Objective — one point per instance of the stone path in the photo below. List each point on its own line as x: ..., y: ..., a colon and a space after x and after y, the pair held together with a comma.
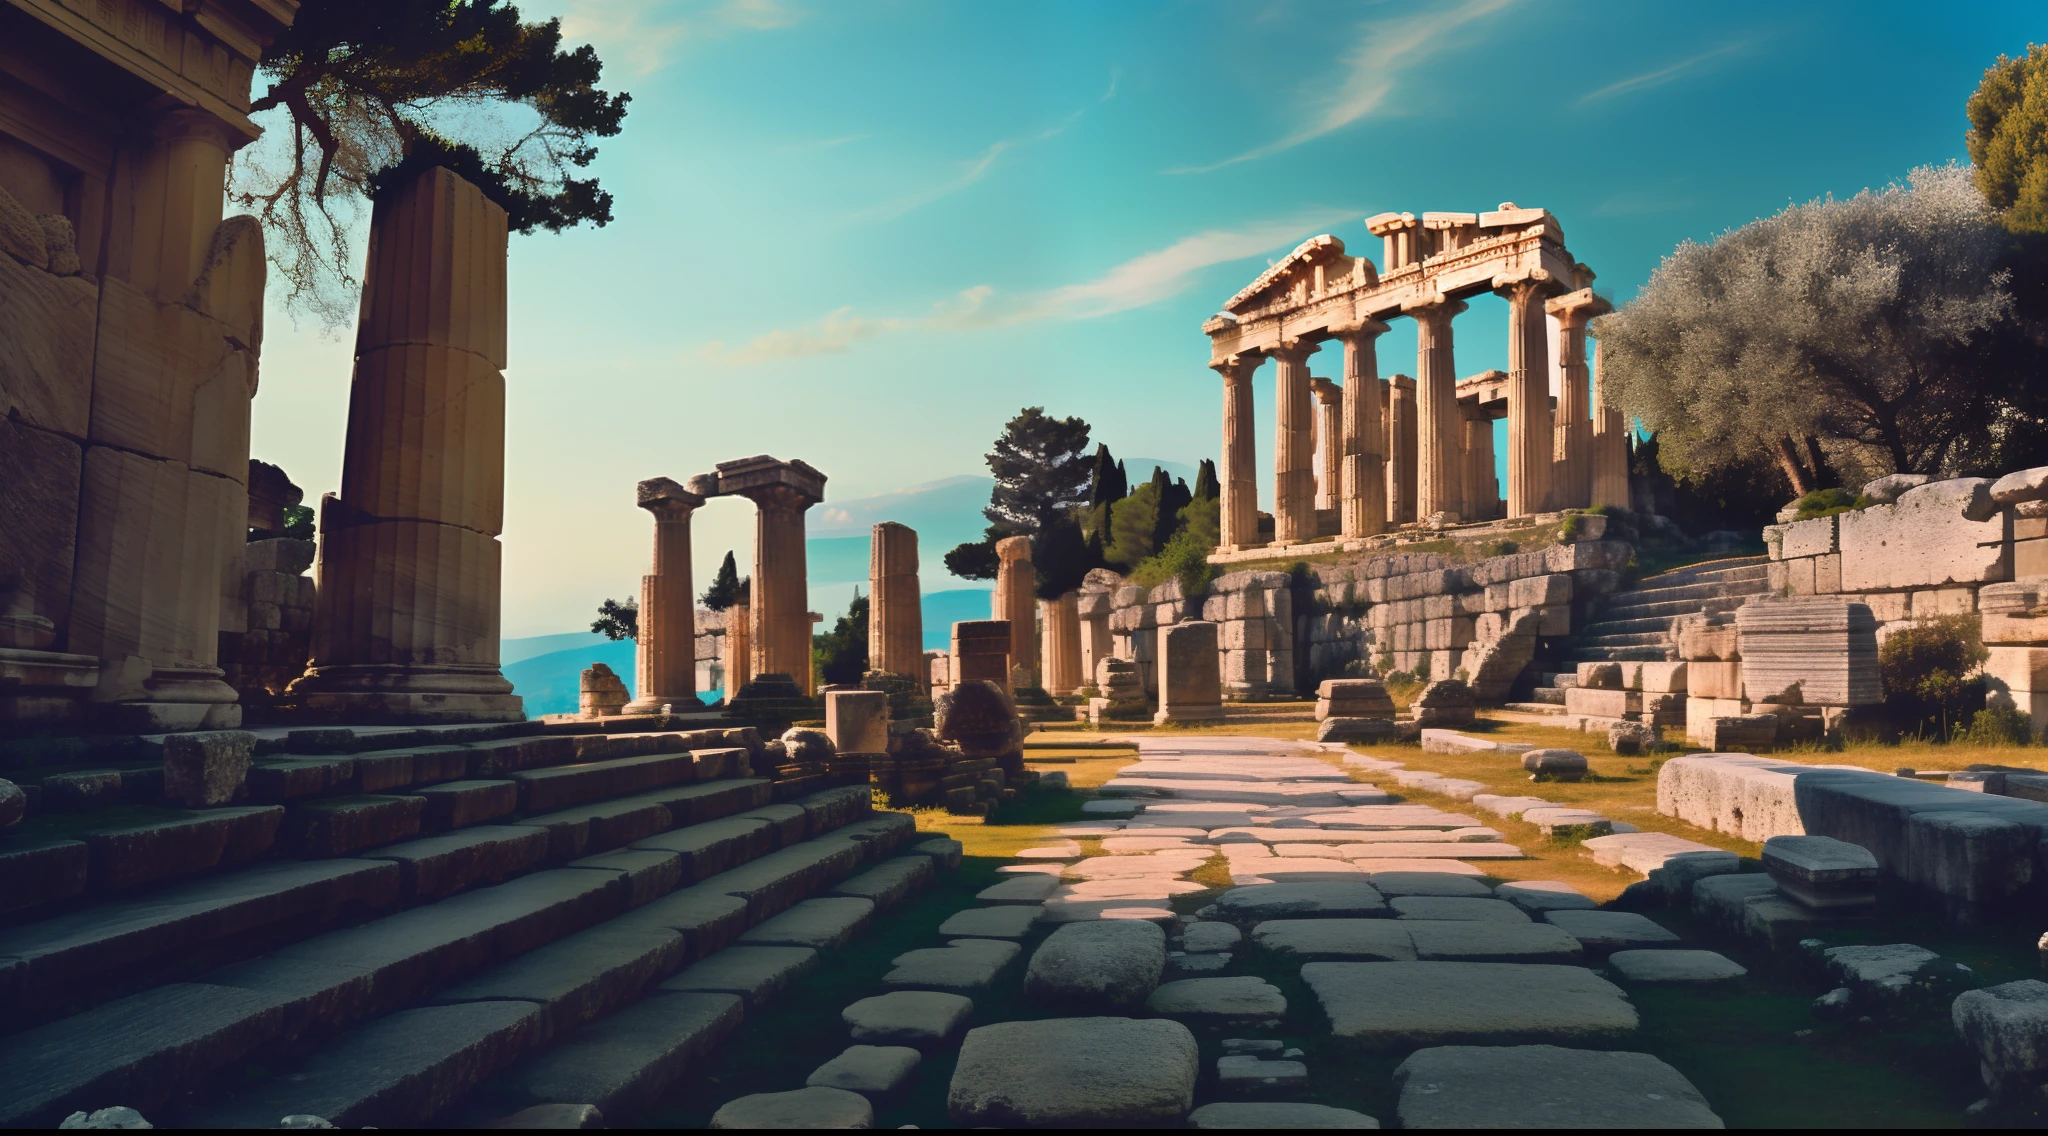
x: 1500, y: 995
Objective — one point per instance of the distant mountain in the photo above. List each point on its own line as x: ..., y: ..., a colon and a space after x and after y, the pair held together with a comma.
x: 1140, y: 469
x: 943, y: 609
x: 551, y: 683
x: 516, y: 650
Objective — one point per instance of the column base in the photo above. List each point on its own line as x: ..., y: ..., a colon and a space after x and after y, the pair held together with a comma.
x: 1188, y: 714
x: 376, y: 694
x: 677, y: 703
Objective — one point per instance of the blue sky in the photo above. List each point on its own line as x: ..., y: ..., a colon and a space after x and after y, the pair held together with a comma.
x: 864, y: 234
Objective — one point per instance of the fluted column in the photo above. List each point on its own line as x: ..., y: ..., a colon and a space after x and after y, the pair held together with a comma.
x: 1609, y: 448
x: 1362, y: 497
x: 666, y: 651
x: 1329, y: 441
x: 1061, y: 660
x: 739, y: 648
x: 406, y: 627
x: 895, y: 615
x: 1572, y: 469
x: 1530, y: 441
x: 1294, y: 479
x: 1240, y: 509
x: 1401, y: 445
x: 1440, y: 433
x: 1482, y: 485
x: 1013, y: 600
x: 782, y: 621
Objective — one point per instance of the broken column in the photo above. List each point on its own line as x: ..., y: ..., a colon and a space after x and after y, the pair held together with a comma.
x: 1294, y: 479
x: 600, y: 694
x: 1608, y: 452
x: 666, y: 648
x: 1062, y: 650
x: 1572, y: 458
x: 1239, y: 516
x: 1440, y: 432
x: 1012, y: 601
x: 1362, y: 475
x: 1329, y: 441
x: 1092, y: 606
x: 407, y: 624
x: 1190, y: 675
x: 895, y: 612
x: 1402, y: 433
x: 1530, y: 440
x: 981, y: 652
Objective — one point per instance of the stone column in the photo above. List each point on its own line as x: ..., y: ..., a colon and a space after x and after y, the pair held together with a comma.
x: 1572, y: 467
x: 1530, y: 443
x: 666, y: 652
x: 1013, y: 601
x: 781, y: 615
x: 1061, y: 661
x: 1482, y: 484
x: 1240, y: 508
x: 1329, y: 442
x: 1362, y: 494
x: 1294, y: 479
x: 1440, y: 433
x: 1401, y: 445
x: 407, y: 623
x: 739, y: 648
x: 895, y: 613
x: 1093, y: 608
x: 1609, y: 448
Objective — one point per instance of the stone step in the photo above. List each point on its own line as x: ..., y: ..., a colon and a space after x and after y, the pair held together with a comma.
x: 1587, y: 654
x: 1649, y: 625
x: 129, y: 856
x: 1554, y: 695
x: 561, y: 786
x: 1632, y: 639
x: 1550, y: 708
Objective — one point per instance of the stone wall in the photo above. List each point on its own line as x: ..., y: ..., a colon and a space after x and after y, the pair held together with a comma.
x: 711, y: 651
x: 275, y: 603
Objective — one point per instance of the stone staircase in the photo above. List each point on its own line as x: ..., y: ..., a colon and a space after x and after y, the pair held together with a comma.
x: 378, y: 932
x: 1635, y: 625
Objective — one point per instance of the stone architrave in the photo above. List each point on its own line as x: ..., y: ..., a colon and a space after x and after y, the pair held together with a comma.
x: 1572, y: 464
x: 1530, y: 439
x: 981, y: 652
x: 780, y: 635
x: 1608, y: 453
x: 1239, y: 519
x: 406, y: 628
x: 1440, y: 431
x: 666, y: 651
x: 1294, y: 445
x: 1329, y: 441
x: 1402, y: 431
x: 1362, y: 475
x: 1062, y: 647
x: 1013, y: 602
x: 1190, y: 673
x: 895, y: 615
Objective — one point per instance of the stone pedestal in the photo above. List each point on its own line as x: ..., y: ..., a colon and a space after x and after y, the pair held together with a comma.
x: 1093, y: 608
x: 1013, y: 602
x: 1609, y: 451
x: 1402, y: 439
x: 780, y: 635
x: 1062, y: 653
x: 1572, y: 465
x: 895, y: 614
x: 1294, y: 479
x: 1190, y: 674
x: 981, y: 652
x: 1440, y: 431
x: 1239, y: 517
x: 1362, y: 476
x: 857, y: 721
x: 1530, y: 441
x: 1329, y: 442
x: 667, y: 647
x: 407, y: 624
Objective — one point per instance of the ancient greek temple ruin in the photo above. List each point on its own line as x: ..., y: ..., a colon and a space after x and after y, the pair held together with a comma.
x: 1358, y: 455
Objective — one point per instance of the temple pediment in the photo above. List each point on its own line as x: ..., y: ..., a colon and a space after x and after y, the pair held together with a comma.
x: 1310, y: 270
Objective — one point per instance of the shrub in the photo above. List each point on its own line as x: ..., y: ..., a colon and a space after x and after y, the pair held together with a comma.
x: 1929, y: 672
x: 1828, y: 502
x: 1997, y: 726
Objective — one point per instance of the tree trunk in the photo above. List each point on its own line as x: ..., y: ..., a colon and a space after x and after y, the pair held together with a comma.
x: 1788, y: 460
x: 1823, y: 472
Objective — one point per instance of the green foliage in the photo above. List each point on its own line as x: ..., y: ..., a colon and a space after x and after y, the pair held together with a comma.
x: 617, y: 620
x: 1061, y: 557
x: 725, y: 587
x: 976, y: 559
x: 841, y: 654
x: 1206, y: 485
x: 2008, y: 139
x: 376, y: 90
x: 1186, y: 555
x: 1042, y: 470
x: 1997, y: 726
x: 1132, y: 523
x: 1570, y: 526
x: 1928, y: 668
x: 1498, y: 548
x: 298, y: 522
x: 1173, y: 497
x: 1828, y: 502
x: 1106, y: 481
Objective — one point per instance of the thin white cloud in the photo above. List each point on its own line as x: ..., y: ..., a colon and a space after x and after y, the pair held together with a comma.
x: 1141, y: 281
x: 645, y: 36
x: 1660, y: 76
x: 971, y: 171
x: 1383, y: 50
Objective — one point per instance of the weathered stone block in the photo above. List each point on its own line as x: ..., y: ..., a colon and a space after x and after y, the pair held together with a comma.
x: 1807, y: 538
x: 1713, y: 680
x: 1602, y: 703
x: 1817, y: 652
x: 206, y: 768
x: 1940, y: 533
x: 1664, y: 678
x: 1540, y: 591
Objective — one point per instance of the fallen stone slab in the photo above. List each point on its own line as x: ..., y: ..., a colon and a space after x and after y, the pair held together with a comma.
x: 623, y: 1062
x: 1099, y: 964
x: 1433, y: 880
x: 1603, y: 931
x: 1419, y: 850
x: 2006, y: 1026
x: 1151, y: 864
x: 1674, y: 966
x: 1568, y: 823
x: 1538, y: 896
x: 1822, y: 872
x: 1135, y: 887
x: 1373, y: 939
x: 1671, y: 863
x: 1206, y: 936
x: 1008, y: 921
x: 756, y: 974
x: 1283, y: 900
x: 1389, y: 816
x: 1064, y: 850
x: 961, y: 965
x: 1388, y: 1004
x: 870, y: 1070
x: 1723, y: 900
x: 1456, y: 908
x: 1079, y: 910
x: 1508, y: 806
x: 1545, y: 1086
x: 890, y: 882
x: 1249, y: 1074
x: 1112, y: 808
x: 1473, y: 940
x: 1243, y: 998
x: 813, y: 1107
x: 824, y: 924
x: 1075, y: 1073
x: 1032, y: 888
x: 1277, y: 1115
x: 1182, y: 964
x: 908, y: 1017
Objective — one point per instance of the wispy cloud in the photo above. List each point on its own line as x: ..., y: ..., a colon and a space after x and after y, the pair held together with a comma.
x: 1141, y: 281
x: 825, y: 143
x: 647, y: 35
x: 1660, y: 76
x: 1383, y: 50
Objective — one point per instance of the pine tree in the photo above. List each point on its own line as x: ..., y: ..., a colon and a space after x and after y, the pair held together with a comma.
x: 1062, y: 557
x: 841, y: 654
x: 617, y: 620
x: 725, y: 587
x: 1042, y: 471
x: 1207, y: 488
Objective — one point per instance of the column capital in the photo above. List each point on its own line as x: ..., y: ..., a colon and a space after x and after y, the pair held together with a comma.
x: 1367, y: 328
x: 667, y: 500
x: 1527, y: 285
x: 1574, y: 309
x: 1294, y: 351
x: 1237, y: 366
x: 778, y: 498
x: 1437, y: 308
x: 1328, y: 392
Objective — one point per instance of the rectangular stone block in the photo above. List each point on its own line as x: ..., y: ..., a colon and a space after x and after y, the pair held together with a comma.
x: 1817, y: 652
x: 2030, y: 557
x: 1540, y: 591
x: 1664, y: 678
x: 857, y: 721
x: 1447, y: 634
x: 1798, y: 577
x: 1602, y: 703
x: 1807, y: 538
x: 1699, y: 640
x: 1929, y: 603
x: 2018, y: 668
x: 1827, y: 574
x: 1926, y: 539
x: 1714, y: 679
x: 1190, y: 680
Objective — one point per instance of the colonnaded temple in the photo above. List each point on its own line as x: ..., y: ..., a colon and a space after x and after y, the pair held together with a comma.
x: 1418, y: 449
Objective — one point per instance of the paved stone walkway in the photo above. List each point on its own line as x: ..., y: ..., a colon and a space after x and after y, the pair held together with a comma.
x: 1504, y: 998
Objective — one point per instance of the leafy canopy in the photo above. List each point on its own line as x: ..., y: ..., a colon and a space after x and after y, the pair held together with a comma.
x: 841, y: 654
x: 1043, y: 472
x: 374, y: 90
x: 726, y: 588
x: 2008, y: 138
x: 617, y: 620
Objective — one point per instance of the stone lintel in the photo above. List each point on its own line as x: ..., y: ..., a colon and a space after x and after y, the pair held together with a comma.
x: 1380, y: 224
x: 1448, y: 220
x: 751, y: 475
x: 1577, y: 307
x: 656, y: 492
